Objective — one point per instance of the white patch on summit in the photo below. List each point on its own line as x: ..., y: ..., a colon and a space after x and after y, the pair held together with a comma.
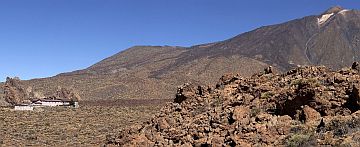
x: 324, y: 18
x: 330, y: 13
x: 343, y: 11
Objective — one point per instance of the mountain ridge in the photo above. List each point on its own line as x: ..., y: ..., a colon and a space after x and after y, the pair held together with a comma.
x: 152, y: 72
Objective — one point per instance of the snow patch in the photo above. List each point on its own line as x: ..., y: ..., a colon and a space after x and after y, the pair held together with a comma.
x: 324, y: 18
x: 343, y: 11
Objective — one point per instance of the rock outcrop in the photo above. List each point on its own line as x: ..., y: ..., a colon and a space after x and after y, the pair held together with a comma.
x: 64, y: 93
x: 306, y: 106
x: 15, y: 93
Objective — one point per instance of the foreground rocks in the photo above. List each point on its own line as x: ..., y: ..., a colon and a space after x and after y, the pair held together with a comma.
x: 307, y: 106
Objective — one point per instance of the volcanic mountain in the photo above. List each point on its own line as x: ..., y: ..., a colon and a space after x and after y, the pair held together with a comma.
x: 151, y: 72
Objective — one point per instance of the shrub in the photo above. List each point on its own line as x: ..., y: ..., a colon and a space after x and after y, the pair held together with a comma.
x: 300, y: 140
x: 266, y: 95
x: 254, y: 112
x: 217, y: 101
x: 296, y: 82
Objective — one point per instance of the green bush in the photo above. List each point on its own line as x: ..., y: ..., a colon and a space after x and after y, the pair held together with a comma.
x: 254, y: 112
x: 266, y: 95
x: 311, y: 81
x: 300, y: 140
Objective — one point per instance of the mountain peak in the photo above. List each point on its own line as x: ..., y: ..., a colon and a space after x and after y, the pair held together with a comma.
x: 324, y: 17
x: 334, y: 9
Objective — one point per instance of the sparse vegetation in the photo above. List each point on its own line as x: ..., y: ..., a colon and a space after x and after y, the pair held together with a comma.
x: 296, y: 82
x: 217, y: 101
x: 255, y: 111
x: 86, y: 126
x: 266, y: 95
x: 311, y: 81
x: 300, y: 140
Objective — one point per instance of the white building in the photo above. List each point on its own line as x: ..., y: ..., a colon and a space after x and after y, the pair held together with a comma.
x: 76, y: 104
x: 51, y: 103
x: 47, y: 103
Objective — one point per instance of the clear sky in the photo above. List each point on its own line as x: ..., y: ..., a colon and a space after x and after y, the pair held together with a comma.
x: 41, y: 38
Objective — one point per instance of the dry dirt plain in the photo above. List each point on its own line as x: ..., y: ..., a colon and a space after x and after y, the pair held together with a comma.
x: 85, y: 126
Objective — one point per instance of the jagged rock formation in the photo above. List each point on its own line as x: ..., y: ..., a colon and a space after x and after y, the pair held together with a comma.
x: 14, y: 93
x: 64, y: 93
x: 306, y: 106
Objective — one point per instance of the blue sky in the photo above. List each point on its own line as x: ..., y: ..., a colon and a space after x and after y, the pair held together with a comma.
x: 42, y: 38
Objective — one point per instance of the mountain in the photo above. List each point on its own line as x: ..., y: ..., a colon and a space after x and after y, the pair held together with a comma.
x: 330, y: 39
x: 151, y: 72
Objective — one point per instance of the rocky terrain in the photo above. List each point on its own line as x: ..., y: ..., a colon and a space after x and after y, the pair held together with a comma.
x: 306, y: 106
x: 330, y: 38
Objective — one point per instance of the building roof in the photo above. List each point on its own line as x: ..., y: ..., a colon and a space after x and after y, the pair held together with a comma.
x: 22, y: 105
x: 51, y: 100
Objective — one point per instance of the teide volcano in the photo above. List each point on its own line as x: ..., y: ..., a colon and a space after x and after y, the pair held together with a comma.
x: 147, y: 72
x: 330, y: 39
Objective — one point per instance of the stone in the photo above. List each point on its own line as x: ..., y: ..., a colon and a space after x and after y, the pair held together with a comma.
x: 242, y: 115
x: 311, y: 115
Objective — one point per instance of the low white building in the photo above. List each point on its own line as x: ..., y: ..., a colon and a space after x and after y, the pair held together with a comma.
x: 47, y: 103
x: 51, y: 103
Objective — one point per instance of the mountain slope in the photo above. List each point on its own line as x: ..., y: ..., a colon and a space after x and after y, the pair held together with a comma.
x: 128, y: 75
x: 311, y: 40
x: 145, y: 72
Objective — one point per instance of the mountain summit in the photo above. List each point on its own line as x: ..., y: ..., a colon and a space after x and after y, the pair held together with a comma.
x: 145, y: 72
x: 334, y: 9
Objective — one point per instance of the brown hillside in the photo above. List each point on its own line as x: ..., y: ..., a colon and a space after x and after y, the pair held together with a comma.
x: 129, y: 74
